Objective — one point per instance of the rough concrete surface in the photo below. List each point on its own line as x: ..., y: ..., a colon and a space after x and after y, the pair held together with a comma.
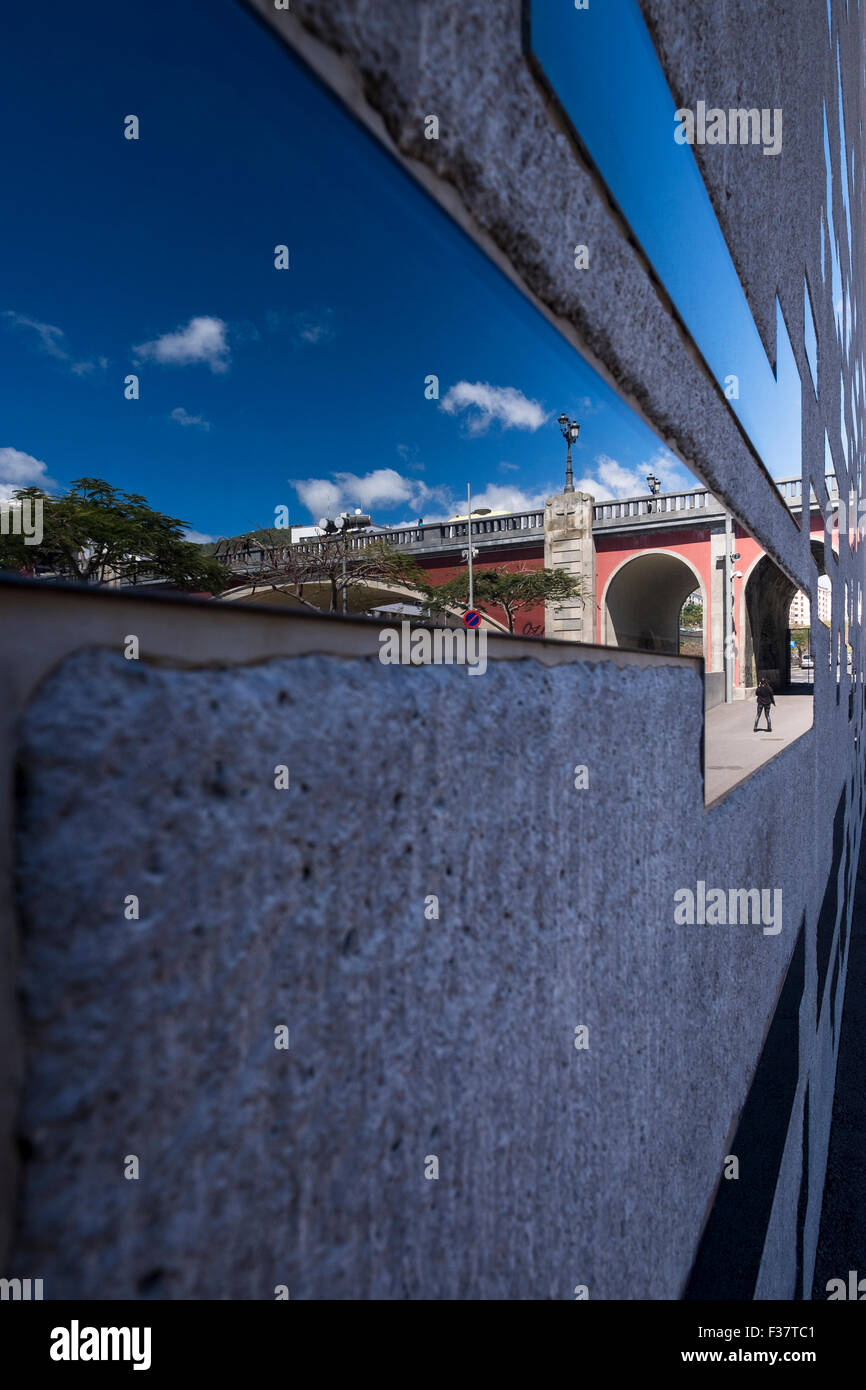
x: 392, y: 63
x: 454, y: 1037
x: 842, y: 1243
x: 409, y: 1037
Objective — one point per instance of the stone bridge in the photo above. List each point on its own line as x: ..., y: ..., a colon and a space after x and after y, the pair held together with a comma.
x: 639, y: 559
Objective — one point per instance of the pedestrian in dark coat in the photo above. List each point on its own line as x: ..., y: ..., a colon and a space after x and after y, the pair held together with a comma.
x: 764, y: 696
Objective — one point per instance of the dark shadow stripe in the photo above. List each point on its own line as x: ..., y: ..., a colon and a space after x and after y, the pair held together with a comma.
x: 729, y: 1255
x: 842, y: 1236
x: 834, y: 983
x: 803, y: 1199
x: 830, y: 905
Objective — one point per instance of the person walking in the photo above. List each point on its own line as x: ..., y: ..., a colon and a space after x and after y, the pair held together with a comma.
x: 764, y: 696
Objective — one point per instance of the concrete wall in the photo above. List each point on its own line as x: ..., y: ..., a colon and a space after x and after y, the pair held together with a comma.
x: 714, y: 689
x: 410, y: 1036
x: 508, y: 169
x: 154, y: 1037
x: 452, y: 1038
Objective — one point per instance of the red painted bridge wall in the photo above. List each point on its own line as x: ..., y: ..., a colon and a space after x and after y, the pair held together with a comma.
x: 612, y: 551
x: 529, y: 621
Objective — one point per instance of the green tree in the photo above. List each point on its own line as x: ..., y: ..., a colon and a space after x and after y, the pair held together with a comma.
x: 508, y: 590
x: 97, y: 534
x: 341, y: 561
x: 692, y: 615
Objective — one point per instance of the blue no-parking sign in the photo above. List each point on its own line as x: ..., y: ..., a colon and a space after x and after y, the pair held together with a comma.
x: 472, y: 618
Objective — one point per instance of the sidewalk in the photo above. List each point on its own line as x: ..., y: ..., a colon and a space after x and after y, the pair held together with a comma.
x: 733, y: 750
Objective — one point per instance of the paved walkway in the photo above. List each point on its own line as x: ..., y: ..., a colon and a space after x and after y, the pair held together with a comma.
x: 733, y: 750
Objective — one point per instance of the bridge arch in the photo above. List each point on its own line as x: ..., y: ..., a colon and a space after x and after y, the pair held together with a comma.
x: 766, y: 596
x: 642, y: 600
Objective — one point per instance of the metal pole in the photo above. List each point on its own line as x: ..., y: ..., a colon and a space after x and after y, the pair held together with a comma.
x: 569, y: 477
x: 345, y: 592
x: 469, y: 551
x: 729, y: 613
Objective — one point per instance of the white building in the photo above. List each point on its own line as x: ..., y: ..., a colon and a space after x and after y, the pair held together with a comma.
x: 825, y: 599
x: 800, y: 613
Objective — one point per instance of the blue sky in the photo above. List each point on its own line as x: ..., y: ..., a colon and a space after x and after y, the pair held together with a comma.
x: 259, y: 387
x: 602, y: 65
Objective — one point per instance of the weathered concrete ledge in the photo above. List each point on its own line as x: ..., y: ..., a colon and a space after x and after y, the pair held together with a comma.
x: 411, y: 1035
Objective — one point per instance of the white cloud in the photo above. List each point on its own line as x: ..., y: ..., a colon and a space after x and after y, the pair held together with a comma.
x: 668, y: 468
x: 49, y: 338
x: 504, y: 404
x: 48, y: 334
x: 85, y: 368
x: 307, y: 326
x: 382, y: 489
x: 508, y: 467
x: 203, y: 339
x: 184, y: 418
x: 499, y: 497
x: 612, y: 479
x: 18, y: 469
x: 198, y: 537
x: 315, y: 328
x: 320, y: 497
x: 385, y: 488
x: 409, y: 453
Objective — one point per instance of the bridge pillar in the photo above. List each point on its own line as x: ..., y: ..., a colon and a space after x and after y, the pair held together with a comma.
x: 568, y: 545
x: 714, y: 618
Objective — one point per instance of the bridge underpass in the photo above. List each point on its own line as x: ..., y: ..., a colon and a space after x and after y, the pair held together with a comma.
x: 768, y: 596
x: 643, y: 601
x: 640, y: 608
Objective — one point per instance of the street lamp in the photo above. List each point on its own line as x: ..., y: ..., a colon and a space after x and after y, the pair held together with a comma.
x: 570, y: 431
x: 469, y: 550
x: 342, y: 526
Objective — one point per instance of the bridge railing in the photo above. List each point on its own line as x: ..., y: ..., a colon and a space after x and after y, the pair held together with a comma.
x: 694, y: 499
x: 489, y: 526
x: 444, y: 534
x: 425, y: 536
x: 447, y: 532
x: 791, y: 489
